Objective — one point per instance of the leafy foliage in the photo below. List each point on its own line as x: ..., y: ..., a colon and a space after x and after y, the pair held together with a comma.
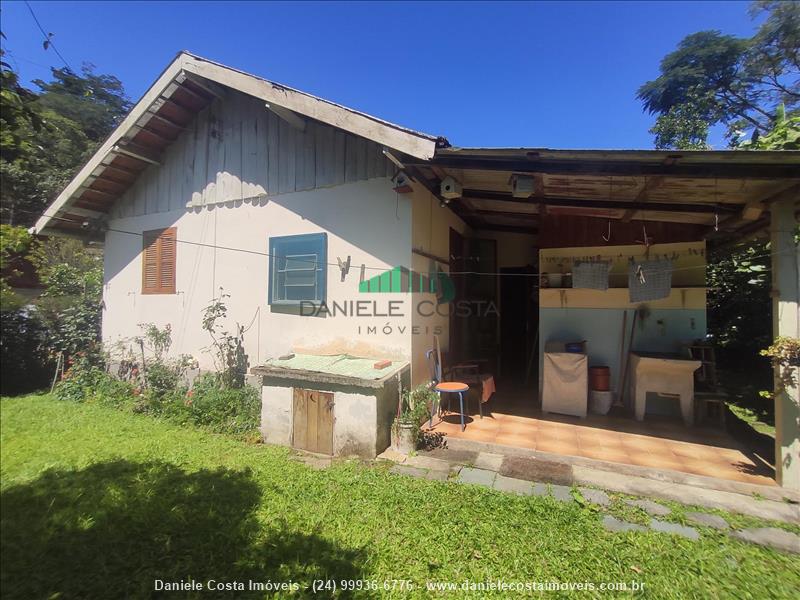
x: 15, y: 243
x: 716, y: 78
x: 234, y: 412
x: 24, y: 356
x: 95, y: 102
x: 227, y: 349
x: 739, y: 317
x: 683, y: 126
x: 785, y: 135
x: 45, y: 136
x: 784, y: 353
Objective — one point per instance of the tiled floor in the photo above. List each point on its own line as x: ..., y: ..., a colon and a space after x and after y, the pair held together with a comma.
x: 512, y: 418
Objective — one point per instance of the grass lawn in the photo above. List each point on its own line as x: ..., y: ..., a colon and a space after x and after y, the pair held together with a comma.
x: 98, y: 503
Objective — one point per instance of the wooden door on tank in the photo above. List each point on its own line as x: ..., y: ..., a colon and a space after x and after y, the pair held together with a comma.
x: 312, y: 421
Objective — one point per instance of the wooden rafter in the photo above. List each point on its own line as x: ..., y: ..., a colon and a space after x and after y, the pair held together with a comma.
x: 619, y: 204
x: 642, y: 196
x: 619, y: 168
x: 138, y: 152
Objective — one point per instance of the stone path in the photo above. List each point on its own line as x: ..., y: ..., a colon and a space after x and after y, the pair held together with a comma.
x: 487, y: 470
x: 651, y: 508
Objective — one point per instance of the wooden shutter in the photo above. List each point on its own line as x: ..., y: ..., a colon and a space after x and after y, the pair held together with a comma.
x: 159, y: 250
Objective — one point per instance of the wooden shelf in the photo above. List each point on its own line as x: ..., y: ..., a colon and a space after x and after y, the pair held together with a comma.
x: 693, y: 297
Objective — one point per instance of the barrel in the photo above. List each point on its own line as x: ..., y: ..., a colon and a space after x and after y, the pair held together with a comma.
x: 600, y: 379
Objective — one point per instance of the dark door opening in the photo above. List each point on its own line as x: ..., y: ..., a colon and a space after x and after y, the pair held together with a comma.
x: 519, y: 320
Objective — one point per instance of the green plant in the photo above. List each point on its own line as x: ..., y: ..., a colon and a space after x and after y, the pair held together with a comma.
x: 86, y: 380
x: 235, y: 411
x: 163, y: 375
x: 784, y: 353
x: 227, y: 349
x: 413, y: 408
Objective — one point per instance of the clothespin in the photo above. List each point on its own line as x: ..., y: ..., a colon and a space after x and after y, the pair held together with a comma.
x: 639, y: 274
x: 361, y: 277
x: 344, y: 267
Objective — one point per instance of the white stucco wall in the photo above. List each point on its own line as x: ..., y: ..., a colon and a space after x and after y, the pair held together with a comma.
x: 225, y: 245
x: 431, y: 224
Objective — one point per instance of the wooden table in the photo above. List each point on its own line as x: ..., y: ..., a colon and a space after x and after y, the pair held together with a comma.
x: 667, y: 374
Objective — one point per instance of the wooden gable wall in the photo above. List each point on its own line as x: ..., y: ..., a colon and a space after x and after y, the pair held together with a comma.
x: 237, y: 149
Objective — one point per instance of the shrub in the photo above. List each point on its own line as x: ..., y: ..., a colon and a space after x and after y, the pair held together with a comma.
x: 25, y: 364
x: 163, y: 375
x: 86, y: 380
x: 227, y: 349
x: 212, y: 403
x: 224, y: 410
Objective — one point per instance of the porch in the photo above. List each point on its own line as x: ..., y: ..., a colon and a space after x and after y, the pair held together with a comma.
x: 533, y: 220
x: 513, y: 418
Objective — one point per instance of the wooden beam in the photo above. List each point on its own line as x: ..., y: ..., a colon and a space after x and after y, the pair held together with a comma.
x: 586, y: 203
x: 751, y: 213
x: 196, y: 95
x: 167, y: 141
x: 134, y: 173
x: 137, y: 152
x: 167, y: 121
x: 649, y: 185
x: 505, y: 229
x: 84, y: 212
x: 86, y: 188
x: 785, y: 294
x: 421, y: 252
x: 619, y: 167
x: 207, y: 86
x: 752, y: 210
x: 644, y: 192
x: 187, y: 113
x: 287, y: 115
x: 505, y: 213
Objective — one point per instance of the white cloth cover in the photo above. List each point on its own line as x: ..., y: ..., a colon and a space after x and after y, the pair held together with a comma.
x: 566, y: 383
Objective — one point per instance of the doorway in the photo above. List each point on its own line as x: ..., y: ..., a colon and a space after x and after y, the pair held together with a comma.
x: 519, y: 320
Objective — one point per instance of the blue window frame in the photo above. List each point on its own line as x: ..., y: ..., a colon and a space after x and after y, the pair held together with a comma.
x: 298, y: 268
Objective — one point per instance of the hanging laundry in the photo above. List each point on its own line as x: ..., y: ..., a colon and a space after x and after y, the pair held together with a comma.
x: 649, y: 280
x: 591, y: 274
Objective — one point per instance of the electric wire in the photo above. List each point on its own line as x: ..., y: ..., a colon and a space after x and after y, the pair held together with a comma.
x: 48, y: 38
x: 336, y: 265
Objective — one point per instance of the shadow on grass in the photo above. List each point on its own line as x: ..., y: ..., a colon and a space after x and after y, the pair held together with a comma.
x: 112, y: 529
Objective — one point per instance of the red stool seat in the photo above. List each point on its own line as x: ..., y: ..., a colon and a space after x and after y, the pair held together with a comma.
x: 451, y: 386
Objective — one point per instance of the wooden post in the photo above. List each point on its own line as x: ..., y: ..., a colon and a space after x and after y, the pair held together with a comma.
x: 786, y: 323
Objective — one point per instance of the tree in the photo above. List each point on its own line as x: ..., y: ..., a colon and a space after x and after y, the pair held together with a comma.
x: 47, y: 136
x: 683, y: 126
x: 97, y: 103
x: 44, y: 138
x: 714, y: 78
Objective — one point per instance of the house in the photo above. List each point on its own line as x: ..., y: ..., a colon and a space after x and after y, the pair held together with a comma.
x: 337, y: 234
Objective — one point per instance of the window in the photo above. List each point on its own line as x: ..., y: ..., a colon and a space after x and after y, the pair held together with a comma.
x: 158, y: 261
x: 298, y: 268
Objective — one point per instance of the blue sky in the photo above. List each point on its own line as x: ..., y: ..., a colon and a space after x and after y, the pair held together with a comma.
x: 548, y: 74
